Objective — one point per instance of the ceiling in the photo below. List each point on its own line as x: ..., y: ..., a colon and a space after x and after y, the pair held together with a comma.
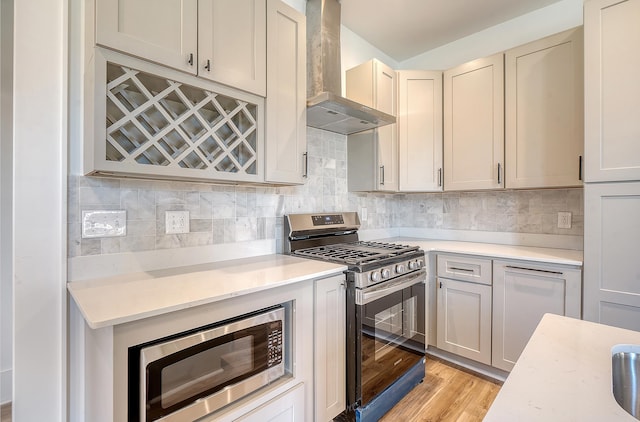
x: 406, y: 28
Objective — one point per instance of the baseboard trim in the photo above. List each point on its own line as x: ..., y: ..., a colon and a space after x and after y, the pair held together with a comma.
x: 477, y: 368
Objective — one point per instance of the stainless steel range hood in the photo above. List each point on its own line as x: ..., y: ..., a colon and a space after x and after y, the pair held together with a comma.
x: 326, y: 108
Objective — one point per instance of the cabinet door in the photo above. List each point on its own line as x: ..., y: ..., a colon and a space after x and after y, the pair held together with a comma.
x: 474, y: 125
x: 374, y: 84
x: 330, y: 348
x: 612, y: 91
x: 145, y: 120
x: 464, y: 319
x: 286, y: 107
x: 232, y: 43
x: 522, y: 293
x: 611, y: 245
x: 420, y: 130
x: 544, y: 111
x: 163, y: 32
x: 385, y: 100
x: 287, y: 407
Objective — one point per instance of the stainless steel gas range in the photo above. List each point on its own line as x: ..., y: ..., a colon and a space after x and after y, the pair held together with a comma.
x: 385, y: 307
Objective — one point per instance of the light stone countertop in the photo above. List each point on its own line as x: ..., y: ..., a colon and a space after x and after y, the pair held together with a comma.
x: 528, y: 253
x: 116, y: 300
x: 563, y: 374
x: 119, y: 299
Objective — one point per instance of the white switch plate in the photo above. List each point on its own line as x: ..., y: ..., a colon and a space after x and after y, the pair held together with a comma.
x: 564, y: 220
x: 176, y: 222
x: 104, y: 223
x: 364, y: 215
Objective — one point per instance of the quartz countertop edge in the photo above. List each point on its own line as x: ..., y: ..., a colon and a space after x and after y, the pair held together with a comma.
x: 130, y: 297
x: 496, y: 251
x: 564, y: 374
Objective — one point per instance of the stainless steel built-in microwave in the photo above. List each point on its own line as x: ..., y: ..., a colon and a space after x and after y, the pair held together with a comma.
x: 193, y: 374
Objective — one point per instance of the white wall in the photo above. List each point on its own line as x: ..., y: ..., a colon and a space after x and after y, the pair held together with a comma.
x: 6, y: 180
x: 538, y: 24
x: 39, y: 205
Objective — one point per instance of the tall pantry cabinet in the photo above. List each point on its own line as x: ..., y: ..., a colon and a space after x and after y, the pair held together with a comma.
x: 612, y: 153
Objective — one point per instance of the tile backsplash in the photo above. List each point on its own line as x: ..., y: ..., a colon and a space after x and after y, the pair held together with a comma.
x: 228, y: 214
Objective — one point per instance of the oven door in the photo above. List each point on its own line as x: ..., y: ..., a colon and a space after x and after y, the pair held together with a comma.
x: 390, y: 319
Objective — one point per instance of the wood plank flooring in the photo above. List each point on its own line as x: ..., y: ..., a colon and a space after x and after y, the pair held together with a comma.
x: 448, y: 393
x: 5, y: 413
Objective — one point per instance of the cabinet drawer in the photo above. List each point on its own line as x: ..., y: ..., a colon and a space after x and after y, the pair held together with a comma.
x: 464, y: 268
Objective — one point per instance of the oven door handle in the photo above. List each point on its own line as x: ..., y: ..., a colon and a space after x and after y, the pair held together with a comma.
x: 381, y: 290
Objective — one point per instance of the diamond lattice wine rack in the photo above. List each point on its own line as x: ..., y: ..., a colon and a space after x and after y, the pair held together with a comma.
x: 162, y: 123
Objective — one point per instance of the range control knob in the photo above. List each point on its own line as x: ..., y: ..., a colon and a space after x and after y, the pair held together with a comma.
x: 420, y: 263
x: 399, y: 268
x: 375, y: 276
x: 413, y: 265
x: 386, y: 273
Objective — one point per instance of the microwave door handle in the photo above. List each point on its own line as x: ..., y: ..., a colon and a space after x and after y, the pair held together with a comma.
x: 375, y: 293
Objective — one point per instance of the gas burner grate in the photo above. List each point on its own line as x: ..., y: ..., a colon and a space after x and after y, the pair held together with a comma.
x: 356, y: 253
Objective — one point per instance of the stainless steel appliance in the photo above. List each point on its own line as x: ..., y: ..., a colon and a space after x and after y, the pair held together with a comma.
x: 192, y: 374
x: 385, y: 307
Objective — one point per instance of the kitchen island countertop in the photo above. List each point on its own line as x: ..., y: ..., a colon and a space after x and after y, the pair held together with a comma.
x: 120, y: 299
x: 563, y: 374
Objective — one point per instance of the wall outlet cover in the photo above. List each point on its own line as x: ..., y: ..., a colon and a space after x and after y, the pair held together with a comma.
x: 564, y: 220
x: 104, y: 223
x: 176, y: 222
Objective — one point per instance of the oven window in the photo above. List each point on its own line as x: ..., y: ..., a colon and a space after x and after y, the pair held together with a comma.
x: 195, y: 374
x: 392, y: 339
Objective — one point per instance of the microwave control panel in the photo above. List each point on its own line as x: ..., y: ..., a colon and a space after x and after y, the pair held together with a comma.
x: 274, y: 344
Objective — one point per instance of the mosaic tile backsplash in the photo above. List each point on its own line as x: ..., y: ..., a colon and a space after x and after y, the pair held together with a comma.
x: 228, y: 214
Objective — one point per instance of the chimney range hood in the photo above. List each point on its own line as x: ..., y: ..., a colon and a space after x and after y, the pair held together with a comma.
x: 326, y: 108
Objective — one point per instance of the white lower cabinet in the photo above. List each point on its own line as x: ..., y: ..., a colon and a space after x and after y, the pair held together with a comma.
x: 287, y: 407
x: 330, y: 348
x: 464, y: 319
x: 489, y: 308
x: 522, y: 293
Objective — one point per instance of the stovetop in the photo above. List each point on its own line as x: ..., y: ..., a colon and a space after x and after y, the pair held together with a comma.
x: 357, y: 253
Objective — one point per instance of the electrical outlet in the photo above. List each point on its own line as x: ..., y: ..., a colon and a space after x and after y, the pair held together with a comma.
x: 364, y: 215
x: 176, y: 222
x: 564, y: 220
x: 104, y: 223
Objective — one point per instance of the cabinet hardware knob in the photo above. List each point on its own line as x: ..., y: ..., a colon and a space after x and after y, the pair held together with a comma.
x: 190, y: 61
x: 382, y: 175
x: 499, y: 173
x: 208, y: 65
x: 440, y: 177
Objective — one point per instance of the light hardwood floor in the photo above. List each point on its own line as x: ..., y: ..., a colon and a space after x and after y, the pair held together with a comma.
x: 447, y: 393
x: 5, y: 413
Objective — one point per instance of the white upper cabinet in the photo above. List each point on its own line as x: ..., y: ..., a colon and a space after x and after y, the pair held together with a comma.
x: 286, y: 106
x: 164, y: 32
x: 147, y: 120
x: 420, y: 130
x: 474, y: 125
x: 373, y: 84
x: 232, y: 43
x: 544, y: 112
x: 222, y: 40
x: 612, y: 96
